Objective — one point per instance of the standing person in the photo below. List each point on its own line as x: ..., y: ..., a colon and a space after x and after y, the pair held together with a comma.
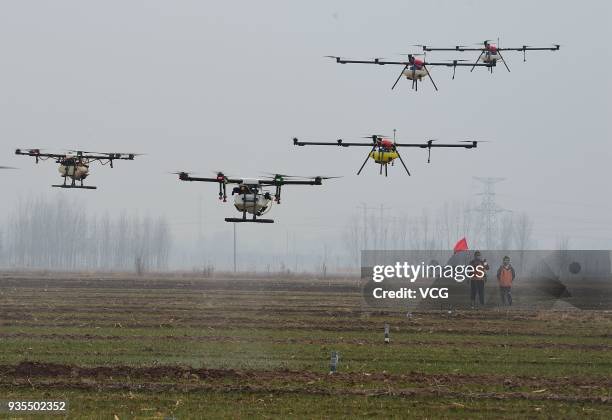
x: 477, y: 282
x: 505, y: 277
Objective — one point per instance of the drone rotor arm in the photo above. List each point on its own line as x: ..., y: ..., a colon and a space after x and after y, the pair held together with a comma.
x: 37, y: 154
x: 376, y: 61
x: 338, y: 142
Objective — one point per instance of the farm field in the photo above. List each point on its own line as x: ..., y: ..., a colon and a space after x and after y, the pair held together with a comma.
x: 172, y: 347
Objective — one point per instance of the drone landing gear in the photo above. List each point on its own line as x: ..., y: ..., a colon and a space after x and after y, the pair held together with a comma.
x: 73, y: 184
x: 243, y: 220
x: 384, y: 165
x: 84, y: 187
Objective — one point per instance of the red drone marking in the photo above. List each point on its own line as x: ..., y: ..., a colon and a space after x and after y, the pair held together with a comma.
x: 492, y: 48
x: 386, y: 143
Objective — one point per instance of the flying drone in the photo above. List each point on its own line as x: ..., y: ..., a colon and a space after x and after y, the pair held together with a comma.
x: 385, y: 151
x: 75, y: 164
x: 491, y: 53
x: 250, y: 193
x: 415, y: 68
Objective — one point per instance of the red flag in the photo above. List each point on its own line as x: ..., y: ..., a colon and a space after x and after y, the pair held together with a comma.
x: 461, y: 246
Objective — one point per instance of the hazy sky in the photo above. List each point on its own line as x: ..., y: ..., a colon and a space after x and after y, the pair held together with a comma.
x: 203, y: 86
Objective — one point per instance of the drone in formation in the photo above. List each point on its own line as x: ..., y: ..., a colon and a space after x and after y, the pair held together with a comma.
x: 492, y: 53
x: 416, y: 69
x: 254, y: 197
x: 251, y: 195
x: 75, y: 164
x: 385, y: 151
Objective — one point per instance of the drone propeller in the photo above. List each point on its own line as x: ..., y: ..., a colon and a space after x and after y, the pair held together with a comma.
x: 325, y: 177
x: 374, y: 137
x: 276, y: 175
x: 7, y: 167
x: 335, y: 57
x: 221, y: 176
x: 183, y: 175
x: 377, y: 59
x: 475, y: 142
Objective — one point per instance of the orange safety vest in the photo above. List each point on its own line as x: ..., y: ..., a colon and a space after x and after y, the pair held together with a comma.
x: 505, y: 277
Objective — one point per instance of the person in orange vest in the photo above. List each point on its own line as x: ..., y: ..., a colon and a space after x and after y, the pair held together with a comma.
x: 477, y: 282
x: 505, y: 277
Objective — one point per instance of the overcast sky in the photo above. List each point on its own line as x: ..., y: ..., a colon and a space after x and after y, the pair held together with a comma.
x: 204, y: 86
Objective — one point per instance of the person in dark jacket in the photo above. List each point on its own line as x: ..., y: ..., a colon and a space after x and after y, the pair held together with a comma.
x: 477, y: 282
x: 505, y: 277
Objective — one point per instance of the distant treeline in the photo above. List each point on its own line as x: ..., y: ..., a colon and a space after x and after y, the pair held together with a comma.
x: 42, y: 234
x: 436, y: 230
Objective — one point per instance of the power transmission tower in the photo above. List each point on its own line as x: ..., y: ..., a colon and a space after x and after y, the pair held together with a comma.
x: 365, y: 209
x: 383, y: 227
x: 488, y: 208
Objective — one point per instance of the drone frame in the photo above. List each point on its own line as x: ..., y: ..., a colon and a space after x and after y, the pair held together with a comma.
x: 277, y: 181
x: 79, y: 157
x: 412, y: 62
x: 377, y: 144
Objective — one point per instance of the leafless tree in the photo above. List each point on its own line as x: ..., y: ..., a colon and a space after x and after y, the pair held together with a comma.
x: 61, y: 235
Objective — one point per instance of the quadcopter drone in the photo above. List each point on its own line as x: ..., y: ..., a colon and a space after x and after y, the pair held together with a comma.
x: 384, y: 151
x: 491, y: 53
x: 75, y: 164
x: 250, y: 193
x: 415, y: 69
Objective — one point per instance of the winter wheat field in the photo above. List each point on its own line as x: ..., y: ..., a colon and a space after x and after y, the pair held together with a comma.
x: 121, y: 346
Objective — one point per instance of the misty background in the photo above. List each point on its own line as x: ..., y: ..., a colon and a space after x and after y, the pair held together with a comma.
x: 207, y: 86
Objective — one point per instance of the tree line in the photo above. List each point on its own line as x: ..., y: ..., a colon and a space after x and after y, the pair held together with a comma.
x: 435, y: 230
x: 60, y: 235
